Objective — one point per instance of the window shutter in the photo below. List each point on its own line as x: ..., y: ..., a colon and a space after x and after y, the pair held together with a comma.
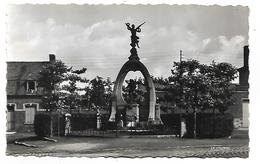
x: 32, y: 115
x: 29, y: 115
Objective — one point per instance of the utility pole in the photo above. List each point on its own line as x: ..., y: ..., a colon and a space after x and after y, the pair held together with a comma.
x: 181, y: 120
x: 180, y: 56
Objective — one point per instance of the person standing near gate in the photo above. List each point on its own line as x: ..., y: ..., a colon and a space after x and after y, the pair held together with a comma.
x: 67, y: 124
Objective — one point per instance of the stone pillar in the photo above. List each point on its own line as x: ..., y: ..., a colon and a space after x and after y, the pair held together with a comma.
x: 151, y: 117
x: 112, y: 117
x: 183, y: 127
x: 158, y: 114
x: 98, y: 120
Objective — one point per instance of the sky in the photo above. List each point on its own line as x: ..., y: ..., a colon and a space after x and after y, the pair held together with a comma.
x: 95, y: 36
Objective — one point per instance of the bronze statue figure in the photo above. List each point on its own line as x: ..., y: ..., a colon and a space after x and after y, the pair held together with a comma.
x: 134, y: 38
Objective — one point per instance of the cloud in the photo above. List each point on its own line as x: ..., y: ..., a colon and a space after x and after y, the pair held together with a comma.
x: 105, y: 29
x: 99, y: 45
x: 222, y: 49
x: 100, y: 41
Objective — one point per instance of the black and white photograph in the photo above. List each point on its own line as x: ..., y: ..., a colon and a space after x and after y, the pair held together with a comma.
x: 127, y: 80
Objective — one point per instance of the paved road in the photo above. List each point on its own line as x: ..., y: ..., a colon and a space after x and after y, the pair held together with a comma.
x: 135, y: 147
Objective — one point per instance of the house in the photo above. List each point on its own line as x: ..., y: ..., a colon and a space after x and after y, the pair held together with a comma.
x: 23, y: 94
x: 240, y: 109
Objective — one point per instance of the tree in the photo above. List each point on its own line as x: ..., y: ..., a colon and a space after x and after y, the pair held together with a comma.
x: 71, y: 97
x: 160, y: 80
x: 200, y: 87
x: 222, y: 89
x: 97, y: 91
x: 135, y: 90
x: 51, y: 76
x: 108, y: 92
x: 189, y: 84
x: 55, y: 94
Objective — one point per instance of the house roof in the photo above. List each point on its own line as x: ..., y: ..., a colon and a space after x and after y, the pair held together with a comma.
x: 19, y: 72
x: 24, y: 70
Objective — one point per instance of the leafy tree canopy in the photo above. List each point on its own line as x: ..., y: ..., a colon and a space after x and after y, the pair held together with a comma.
x: 134, y: 91
x: 52, y: 76
x: 199, y: 86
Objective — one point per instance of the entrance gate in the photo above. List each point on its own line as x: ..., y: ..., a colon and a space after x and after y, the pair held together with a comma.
x: 133, y: 64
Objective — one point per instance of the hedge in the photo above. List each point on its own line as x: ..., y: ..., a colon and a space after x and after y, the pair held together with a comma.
x: 172, y: 121
x: 105, y: 124
x: 210, y: 125
x: 83, y: 121
x: 42, y: 124
x: 61, y: 124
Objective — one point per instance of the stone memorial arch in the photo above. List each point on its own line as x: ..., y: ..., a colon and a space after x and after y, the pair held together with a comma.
x: 134, y: 64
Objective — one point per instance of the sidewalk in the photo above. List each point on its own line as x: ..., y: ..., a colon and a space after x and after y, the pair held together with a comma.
x: 12, y: 136
x: 240, y: 133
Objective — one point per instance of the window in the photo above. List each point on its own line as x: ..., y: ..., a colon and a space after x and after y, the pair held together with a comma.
x: 11, y: 107
x: 31, y: 86
x: 30, y: 110
x: 10, y: 117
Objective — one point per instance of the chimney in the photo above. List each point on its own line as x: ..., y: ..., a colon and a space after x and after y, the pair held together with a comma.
x: 246, y: 56
x: 52, y: 58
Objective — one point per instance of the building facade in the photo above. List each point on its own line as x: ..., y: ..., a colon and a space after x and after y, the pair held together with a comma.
x: 240, y: 109
x: 23, y: 94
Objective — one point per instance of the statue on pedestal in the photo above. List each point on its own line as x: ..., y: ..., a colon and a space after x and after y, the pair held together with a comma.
x: 134, y: 38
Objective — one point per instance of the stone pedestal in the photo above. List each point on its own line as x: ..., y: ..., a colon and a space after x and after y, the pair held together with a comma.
x: 157, y: 119
x: 98, y: 123
x: 183, y: 127
x: 98, y: 120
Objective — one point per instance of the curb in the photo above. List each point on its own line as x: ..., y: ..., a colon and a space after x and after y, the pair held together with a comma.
x: 148, y: 136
